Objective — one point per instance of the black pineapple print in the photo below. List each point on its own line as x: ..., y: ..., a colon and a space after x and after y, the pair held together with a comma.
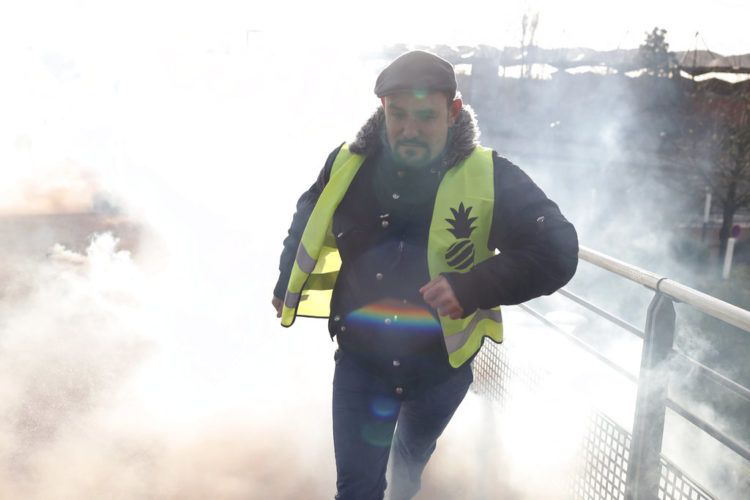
x: 460, y: 255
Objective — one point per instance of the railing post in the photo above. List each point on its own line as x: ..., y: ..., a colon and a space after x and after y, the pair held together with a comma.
x: 644, y: 465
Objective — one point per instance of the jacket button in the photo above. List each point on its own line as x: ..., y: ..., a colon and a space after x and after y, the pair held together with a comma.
x: 385, y: 223
x: 399, y: 390
x: 388, y: 321
x: 396, y: 196
x: 342, y: 329
x: 337, y: 318
x: 396, y: 363
x: 379, y: 276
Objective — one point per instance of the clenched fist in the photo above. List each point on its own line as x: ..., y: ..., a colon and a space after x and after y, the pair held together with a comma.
x: 439, y: 295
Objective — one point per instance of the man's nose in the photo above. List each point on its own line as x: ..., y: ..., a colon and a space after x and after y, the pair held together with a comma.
x: 411, y: 130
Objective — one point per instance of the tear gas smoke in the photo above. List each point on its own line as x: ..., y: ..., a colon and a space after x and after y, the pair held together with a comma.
x: 162, y: 372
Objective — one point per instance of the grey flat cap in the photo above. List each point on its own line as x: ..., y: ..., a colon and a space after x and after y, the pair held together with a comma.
x: 416, y: 70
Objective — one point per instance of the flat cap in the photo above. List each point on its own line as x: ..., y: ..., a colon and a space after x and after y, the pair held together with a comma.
x: 416, y: 70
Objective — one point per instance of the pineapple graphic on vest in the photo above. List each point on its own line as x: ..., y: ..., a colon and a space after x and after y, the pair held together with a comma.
x: 460, y: 254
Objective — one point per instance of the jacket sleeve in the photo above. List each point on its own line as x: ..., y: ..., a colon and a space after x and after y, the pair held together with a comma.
x: 538, y: 246
x: 305, y: 205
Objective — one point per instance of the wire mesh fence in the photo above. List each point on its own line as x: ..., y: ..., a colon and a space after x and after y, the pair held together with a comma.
x: 675, y: 485
x: 602, y: 459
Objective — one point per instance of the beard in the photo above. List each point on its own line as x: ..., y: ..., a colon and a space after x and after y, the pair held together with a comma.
x: 411, y: 153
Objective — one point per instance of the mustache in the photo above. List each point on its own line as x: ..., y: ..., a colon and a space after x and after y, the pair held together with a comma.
x: 411, y: 143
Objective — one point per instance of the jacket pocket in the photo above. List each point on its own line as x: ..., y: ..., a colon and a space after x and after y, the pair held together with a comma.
x: 351, y: 239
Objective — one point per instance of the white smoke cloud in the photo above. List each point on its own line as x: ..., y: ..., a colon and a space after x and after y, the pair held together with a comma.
x: 100, y: 398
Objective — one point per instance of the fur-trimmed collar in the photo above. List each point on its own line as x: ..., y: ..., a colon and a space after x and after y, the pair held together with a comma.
x: 461, y: 142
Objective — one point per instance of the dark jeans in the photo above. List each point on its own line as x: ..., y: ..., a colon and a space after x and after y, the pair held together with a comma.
x: 366, y: 411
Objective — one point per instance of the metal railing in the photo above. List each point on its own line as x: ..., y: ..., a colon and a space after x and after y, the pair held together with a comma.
x: 644, y: 466
x: 645, y: 473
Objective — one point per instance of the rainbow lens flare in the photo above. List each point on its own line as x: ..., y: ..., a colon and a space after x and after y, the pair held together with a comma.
x: 400, y: 314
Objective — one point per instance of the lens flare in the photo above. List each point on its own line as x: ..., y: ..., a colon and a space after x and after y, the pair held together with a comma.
x: 404, y: 315
x: 378, y: 433
x: 384, y: 407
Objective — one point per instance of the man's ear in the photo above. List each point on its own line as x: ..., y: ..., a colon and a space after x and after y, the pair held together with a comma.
x: 455, y: 109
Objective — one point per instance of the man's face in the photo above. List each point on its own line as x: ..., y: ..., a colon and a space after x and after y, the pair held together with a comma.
x: 417, y: 125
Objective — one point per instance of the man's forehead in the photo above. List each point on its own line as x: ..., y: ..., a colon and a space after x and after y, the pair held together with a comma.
x: 416, y: 98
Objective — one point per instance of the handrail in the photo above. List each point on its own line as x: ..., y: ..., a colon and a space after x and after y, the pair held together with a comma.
x: 735, y: 316
x: 601, y: 312
x: 633, y: 273
x: 581, y: 343
x: 708, y: 429
x: 644, y: 465
x: 716, y: 377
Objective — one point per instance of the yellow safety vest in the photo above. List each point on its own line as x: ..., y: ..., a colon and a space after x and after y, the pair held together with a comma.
x: 458, y: 240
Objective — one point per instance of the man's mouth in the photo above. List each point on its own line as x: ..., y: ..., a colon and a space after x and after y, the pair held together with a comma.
x: 412, y: 145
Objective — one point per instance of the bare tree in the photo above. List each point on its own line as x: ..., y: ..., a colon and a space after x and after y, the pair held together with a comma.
x: 716, y: 144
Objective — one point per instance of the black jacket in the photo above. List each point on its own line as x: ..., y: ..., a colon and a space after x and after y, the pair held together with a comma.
x: 538, y: 246
x: 383, y: 222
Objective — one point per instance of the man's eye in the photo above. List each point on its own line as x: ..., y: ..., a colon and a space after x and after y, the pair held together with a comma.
x: 426, y: 117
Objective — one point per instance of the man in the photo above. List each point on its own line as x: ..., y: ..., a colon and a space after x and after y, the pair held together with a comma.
x: 395, y: 243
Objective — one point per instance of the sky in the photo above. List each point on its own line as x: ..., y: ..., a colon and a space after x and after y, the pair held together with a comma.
x: 86, y: 68
x: 584, y: 23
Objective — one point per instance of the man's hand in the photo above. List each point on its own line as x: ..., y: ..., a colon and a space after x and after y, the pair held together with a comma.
x: 439, y: 295
x: 277, y: 304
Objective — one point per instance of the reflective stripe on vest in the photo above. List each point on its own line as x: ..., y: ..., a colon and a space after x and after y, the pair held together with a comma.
x: 318, y: 262
x: 458, y: 240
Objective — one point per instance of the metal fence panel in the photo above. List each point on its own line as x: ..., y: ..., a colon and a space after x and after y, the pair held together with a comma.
x: 603, y: 461
x: 605, y: 450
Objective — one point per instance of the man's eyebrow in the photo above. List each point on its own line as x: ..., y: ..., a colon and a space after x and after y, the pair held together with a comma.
x: 395, y: 107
